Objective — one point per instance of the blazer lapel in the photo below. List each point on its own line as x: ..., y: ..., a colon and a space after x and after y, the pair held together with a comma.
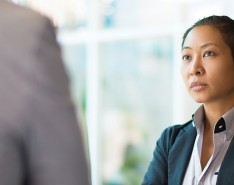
x: 179, y: 155
x: 226, y: 172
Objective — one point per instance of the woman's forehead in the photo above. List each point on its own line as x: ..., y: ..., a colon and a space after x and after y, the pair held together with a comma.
x: 201, y: 35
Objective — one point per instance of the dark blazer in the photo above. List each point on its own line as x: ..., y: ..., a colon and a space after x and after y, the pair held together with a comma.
x: 172, y: 154
x: 40, y: 137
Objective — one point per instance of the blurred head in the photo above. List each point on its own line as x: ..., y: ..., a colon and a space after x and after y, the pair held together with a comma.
x: 207, y: 60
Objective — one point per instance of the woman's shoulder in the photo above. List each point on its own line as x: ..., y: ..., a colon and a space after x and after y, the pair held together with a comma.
x: 175, y: 129
x: 171, y: 133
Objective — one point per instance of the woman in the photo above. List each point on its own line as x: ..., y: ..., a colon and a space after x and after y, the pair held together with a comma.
x: 201, y: 151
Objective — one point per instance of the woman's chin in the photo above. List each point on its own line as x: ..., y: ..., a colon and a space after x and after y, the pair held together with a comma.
x: 198, y: 99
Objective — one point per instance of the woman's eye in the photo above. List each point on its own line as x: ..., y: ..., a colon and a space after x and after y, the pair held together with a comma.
x: 209, y: 53
x: 186, y: 58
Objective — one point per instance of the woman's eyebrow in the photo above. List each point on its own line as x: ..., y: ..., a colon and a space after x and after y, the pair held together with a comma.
x: 202, y: 46
x: 208, y: 44
x: 186, y: 47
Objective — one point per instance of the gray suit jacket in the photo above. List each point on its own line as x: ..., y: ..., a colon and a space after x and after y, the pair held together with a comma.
x: 40, y: 140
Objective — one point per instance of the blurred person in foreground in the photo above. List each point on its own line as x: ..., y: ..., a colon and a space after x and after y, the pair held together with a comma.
x: 201, y: 151
x: 40, y: 139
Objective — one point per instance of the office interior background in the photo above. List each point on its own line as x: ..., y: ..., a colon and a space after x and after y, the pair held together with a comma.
x: 123, y: 60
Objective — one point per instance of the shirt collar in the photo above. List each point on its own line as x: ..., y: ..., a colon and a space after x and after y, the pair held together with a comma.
x: 198, y: 118
x: 227, y: 119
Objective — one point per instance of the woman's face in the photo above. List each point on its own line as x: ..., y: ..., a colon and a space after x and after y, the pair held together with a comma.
x: 207, y: 66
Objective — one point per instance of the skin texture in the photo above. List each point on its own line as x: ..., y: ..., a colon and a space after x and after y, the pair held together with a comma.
x: 208, y: 72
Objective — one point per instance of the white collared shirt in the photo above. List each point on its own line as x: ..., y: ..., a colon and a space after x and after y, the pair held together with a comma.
x: 223, y: 133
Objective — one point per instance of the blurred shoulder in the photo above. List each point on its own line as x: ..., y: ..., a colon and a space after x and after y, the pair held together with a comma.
x: 16, y: 16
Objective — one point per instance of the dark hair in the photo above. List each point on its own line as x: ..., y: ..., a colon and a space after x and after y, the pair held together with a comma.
x: 224, y: 24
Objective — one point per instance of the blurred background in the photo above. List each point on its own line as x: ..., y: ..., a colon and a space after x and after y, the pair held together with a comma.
x: 123, y: 60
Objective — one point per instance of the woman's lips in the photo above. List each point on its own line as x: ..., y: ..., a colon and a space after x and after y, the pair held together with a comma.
x: 198, y: 86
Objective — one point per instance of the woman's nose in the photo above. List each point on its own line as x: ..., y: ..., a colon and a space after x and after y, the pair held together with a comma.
x: 196, y: 68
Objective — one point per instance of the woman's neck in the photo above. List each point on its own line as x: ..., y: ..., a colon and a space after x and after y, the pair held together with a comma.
x: 213, y: 112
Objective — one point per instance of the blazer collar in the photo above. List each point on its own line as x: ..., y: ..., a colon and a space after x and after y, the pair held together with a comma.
x: 180, y: 153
